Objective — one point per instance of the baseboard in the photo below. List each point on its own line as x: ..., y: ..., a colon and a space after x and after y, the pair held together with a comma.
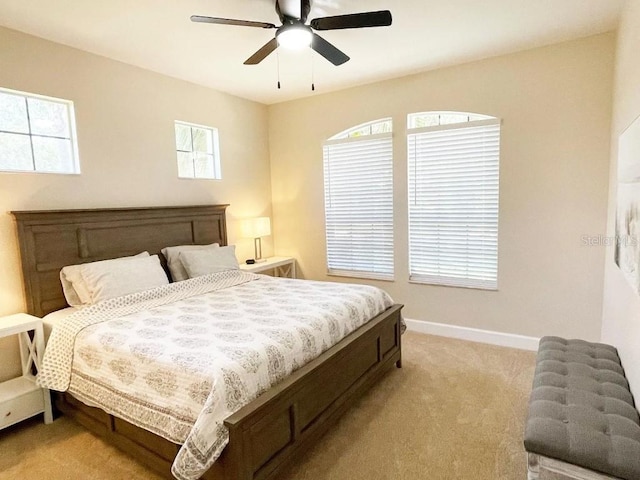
x: 473, y: 334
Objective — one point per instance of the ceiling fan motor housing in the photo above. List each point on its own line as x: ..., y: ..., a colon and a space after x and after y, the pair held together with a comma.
x: 285, y: 18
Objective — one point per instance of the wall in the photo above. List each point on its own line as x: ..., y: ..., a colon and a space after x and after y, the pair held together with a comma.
x: 555, y: 105
x: 125, y: 117
x: 621, y: 309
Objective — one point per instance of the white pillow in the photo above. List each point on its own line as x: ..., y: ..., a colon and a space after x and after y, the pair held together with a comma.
x: 105, y: 280
x: 73, y: 286
x: 172, y: 254
x: 204, y: 262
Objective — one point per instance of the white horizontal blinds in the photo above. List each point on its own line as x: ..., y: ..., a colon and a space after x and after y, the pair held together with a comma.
x: 453, y: 204
x: 358, y: 185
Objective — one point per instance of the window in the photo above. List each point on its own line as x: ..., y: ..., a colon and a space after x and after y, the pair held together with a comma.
x: 37, y: 134
x: 453, y: 163
x: 198, y: 151
x: 358, y: 190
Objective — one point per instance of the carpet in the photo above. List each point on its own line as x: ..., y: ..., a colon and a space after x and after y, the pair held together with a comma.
x: 456, y: 410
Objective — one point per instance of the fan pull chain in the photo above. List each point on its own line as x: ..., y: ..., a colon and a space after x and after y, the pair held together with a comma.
x: 278, y: 57
x: 313, y: 82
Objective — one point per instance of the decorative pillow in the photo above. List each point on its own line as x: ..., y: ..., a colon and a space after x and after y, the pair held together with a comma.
x: 204, y: 262
x: 106, y: 280
x: 73, y: 286
x: 172, y: 254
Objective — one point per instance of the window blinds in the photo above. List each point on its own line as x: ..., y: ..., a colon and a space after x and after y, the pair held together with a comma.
x: 358, y: 186
x: 453, y: 204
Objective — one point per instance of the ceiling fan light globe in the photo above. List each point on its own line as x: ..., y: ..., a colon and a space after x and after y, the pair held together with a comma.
x: 295, y: 38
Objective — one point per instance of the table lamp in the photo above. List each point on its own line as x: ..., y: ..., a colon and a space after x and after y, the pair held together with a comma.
x: 256, y: 228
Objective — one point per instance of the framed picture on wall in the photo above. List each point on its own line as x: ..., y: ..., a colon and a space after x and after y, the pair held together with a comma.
x: 627, y: 249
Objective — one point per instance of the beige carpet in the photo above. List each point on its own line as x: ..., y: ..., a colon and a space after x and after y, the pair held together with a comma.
x: 456, y: 410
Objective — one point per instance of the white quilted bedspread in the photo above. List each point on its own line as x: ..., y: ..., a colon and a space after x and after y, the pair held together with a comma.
x: 179, y: 359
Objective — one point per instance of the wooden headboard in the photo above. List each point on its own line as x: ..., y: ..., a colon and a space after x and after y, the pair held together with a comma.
x: 50, y: 240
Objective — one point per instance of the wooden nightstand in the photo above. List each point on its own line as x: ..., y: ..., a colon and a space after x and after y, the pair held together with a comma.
x: 20, y: 397
x: 281, y: 266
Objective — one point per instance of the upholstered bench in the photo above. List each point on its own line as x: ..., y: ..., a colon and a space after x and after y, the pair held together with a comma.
x: 582, y: 420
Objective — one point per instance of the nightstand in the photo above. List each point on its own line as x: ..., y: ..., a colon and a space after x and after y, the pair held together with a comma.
x: 20, y: 397
x: 281, y: 266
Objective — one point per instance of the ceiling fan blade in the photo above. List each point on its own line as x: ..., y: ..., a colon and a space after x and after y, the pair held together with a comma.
x: 261, y: 54
x: 328, y: 51
x: 231, y: 21
x: 355, y: 20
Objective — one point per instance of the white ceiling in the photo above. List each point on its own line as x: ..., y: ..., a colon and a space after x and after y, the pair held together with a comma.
x: 426, y: 34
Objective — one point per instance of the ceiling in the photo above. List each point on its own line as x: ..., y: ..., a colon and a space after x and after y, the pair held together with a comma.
x: 426, y: 34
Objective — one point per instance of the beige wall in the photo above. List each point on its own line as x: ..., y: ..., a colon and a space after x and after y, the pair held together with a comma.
x: 555, y: 104
x: 621, y: 310
x: 125, y: 121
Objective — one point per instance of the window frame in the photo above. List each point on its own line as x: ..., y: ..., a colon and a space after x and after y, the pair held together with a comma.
x: 344, y: 138
x: 72, y: 139
x: 214, y: 154
x: 490, y: 284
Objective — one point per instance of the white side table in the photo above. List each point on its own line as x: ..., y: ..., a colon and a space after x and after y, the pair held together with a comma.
x: 281, y: 266
x: 20, y: 397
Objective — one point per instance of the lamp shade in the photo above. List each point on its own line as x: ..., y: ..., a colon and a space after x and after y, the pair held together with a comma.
x: 255, y: 227
x: 294, y: 37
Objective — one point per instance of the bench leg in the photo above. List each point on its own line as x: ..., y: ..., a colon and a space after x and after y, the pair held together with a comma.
x: 533, y: 466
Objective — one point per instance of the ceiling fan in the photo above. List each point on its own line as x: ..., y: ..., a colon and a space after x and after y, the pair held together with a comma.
x: 295, y: 33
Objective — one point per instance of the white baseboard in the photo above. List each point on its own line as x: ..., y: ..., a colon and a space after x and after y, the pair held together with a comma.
x: 473, y: 334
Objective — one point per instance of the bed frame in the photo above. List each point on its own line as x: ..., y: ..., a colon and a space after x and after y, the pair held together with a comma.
x: 266, y: 435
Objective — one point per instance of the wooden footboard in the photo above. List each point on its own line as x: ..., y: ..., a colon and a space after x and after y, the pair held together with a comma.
x: 273, y: 430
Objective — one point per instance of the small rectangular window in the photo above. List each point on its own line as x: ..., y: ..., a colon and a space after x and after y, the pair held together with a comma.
x: 37, y: 134
x: 198, y: 151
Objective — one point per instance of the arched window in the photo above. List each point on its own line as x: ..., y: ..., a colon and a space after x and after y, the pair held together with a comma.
x: 358, y: 192
x: 453, y: 174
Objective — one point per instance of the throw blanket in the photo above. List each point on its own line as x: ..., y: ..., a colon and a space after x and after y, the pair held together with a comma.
x: 179, y: 359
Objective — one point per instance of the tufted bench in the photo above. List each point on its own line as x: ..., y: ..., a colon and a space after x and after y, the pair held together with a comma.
x: 582, y: 420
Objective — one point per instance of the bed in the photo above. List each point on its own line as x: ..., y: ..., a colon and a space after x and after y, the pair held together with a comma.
x: 266, y: 434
